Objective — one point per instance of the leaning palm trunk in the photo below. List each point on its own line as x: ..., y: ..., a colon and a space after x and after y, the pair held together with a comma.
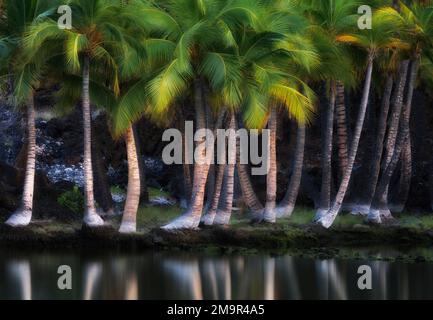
x: 209, y: 218
x: 326, y: 163
x: 364, y: 208
x: 91, y: 218
x: 379, y: 209
x: 328, y: 219
x: 129, y: 219
x: 191, y: 219
x: 396, y: 114
x: 223, y: 215
x: 23, y: 215
x: 340, y: 111
x: 405, y: 177
x: 287, y: 205
x: 248, y: 194
x: 269, y: 214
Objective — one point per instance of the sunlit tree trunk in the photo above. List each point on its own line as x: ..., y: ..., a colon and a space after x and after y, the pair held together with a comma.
x: 191, y: 219
x: 269, y: 214
x: 287, y: 205
x: 326, y: 161
x: 144, y: 192
x: 23, y: 215
x: 364, y: 208
x: 129, y: 219
x: 223, y: 215
x: 91, y: 218
x: 379, y: 209
x: 328, y: 219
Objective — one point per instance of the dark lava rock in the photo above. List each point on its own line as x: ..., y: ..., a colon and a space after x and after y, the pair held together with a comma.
x: 45, y: 204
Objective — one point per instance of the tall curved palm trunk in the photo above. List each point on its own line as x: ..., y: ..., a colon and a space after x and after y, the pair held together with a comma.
x: 191, y: 219
x: 129, y: 219
x: 326, y: 161
x: 340, y: 114
x: 269, y: 214
x: 396, y: 114
x: 379, y: 209
x: 287, y: 205
x: 23, y: 215
x: 223, y: 216
x: 328, y: 219
x: 364, y: 208
x: 91, y: 218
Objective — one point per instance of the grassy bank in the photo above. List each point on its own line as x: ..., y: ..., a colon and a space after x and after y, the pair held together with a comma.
x: 295, y: 235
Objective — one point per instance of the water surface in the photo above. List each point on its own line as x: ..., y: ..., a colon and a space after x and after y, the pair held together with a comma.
x: 165, y: 275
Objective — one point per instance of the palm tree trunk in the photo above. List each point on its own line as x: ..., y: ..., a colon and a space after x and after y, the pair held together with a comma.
x: 364, y: 208
x: 223, y: 215
x: 395, y: 116
x: 209, y: 217
x: 287, y: 205
x: 102, y: 186
x: 325, y: 191
x: 379, y: 209
x: 269, y: 214
x: 405, y: 176
x: 191, y: 219
x: 328, y: 219
x: 249, y: 196
x: 341, y: 128
x: 91, y: 218
x: 23, y: 215
x: 144, y: 192
x: 129, y: 219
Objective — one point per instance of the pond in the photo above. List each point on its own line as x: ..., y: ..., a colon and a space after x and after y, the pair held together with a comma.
x: 168, y: 275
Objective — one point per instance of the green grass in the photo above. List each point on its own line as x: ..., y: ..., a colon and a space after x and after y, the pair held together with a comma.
x: 154, y: 192
x: 417, y: 222
x: 151, y: 217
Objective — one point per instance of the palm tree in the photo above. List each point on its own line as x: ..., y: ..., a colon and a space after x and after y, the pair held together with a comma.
x: 329, y: 19
x: 20, y: 15
x: 223, y: 215
x: 382, y: 36
x: 192, y: 63
x: 287, y: 205
x: 95, y: 39
x: 418, y: 20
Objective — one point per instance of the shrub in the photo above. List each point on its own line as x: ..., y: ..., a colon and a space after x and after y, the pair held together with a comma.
x: 72, y: 200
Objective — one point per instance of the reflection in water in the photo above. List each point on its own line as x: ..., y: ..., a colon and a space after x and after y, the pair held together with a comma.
x: 19, y: 272
x: 195, y: 277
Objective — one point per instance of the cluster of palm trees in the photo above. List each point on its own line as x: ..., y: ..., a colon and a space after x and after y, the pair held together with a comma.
x: 232, y: 62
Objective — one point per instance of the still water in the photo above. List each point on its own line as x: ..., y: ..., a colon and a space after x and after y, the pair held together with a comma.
x: 198, y: 276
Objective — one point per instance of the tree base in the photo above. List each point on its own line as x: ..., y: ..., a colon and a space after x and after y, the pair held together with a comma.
x: 360, y: 210
x: 128, y: 227
x: 327, y: 219
x: 93, y: 220
x: 284, y: 211
x: 19, y: 219
x: 185, y: 221
x: 222, y: 218
x: 208, y: 219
